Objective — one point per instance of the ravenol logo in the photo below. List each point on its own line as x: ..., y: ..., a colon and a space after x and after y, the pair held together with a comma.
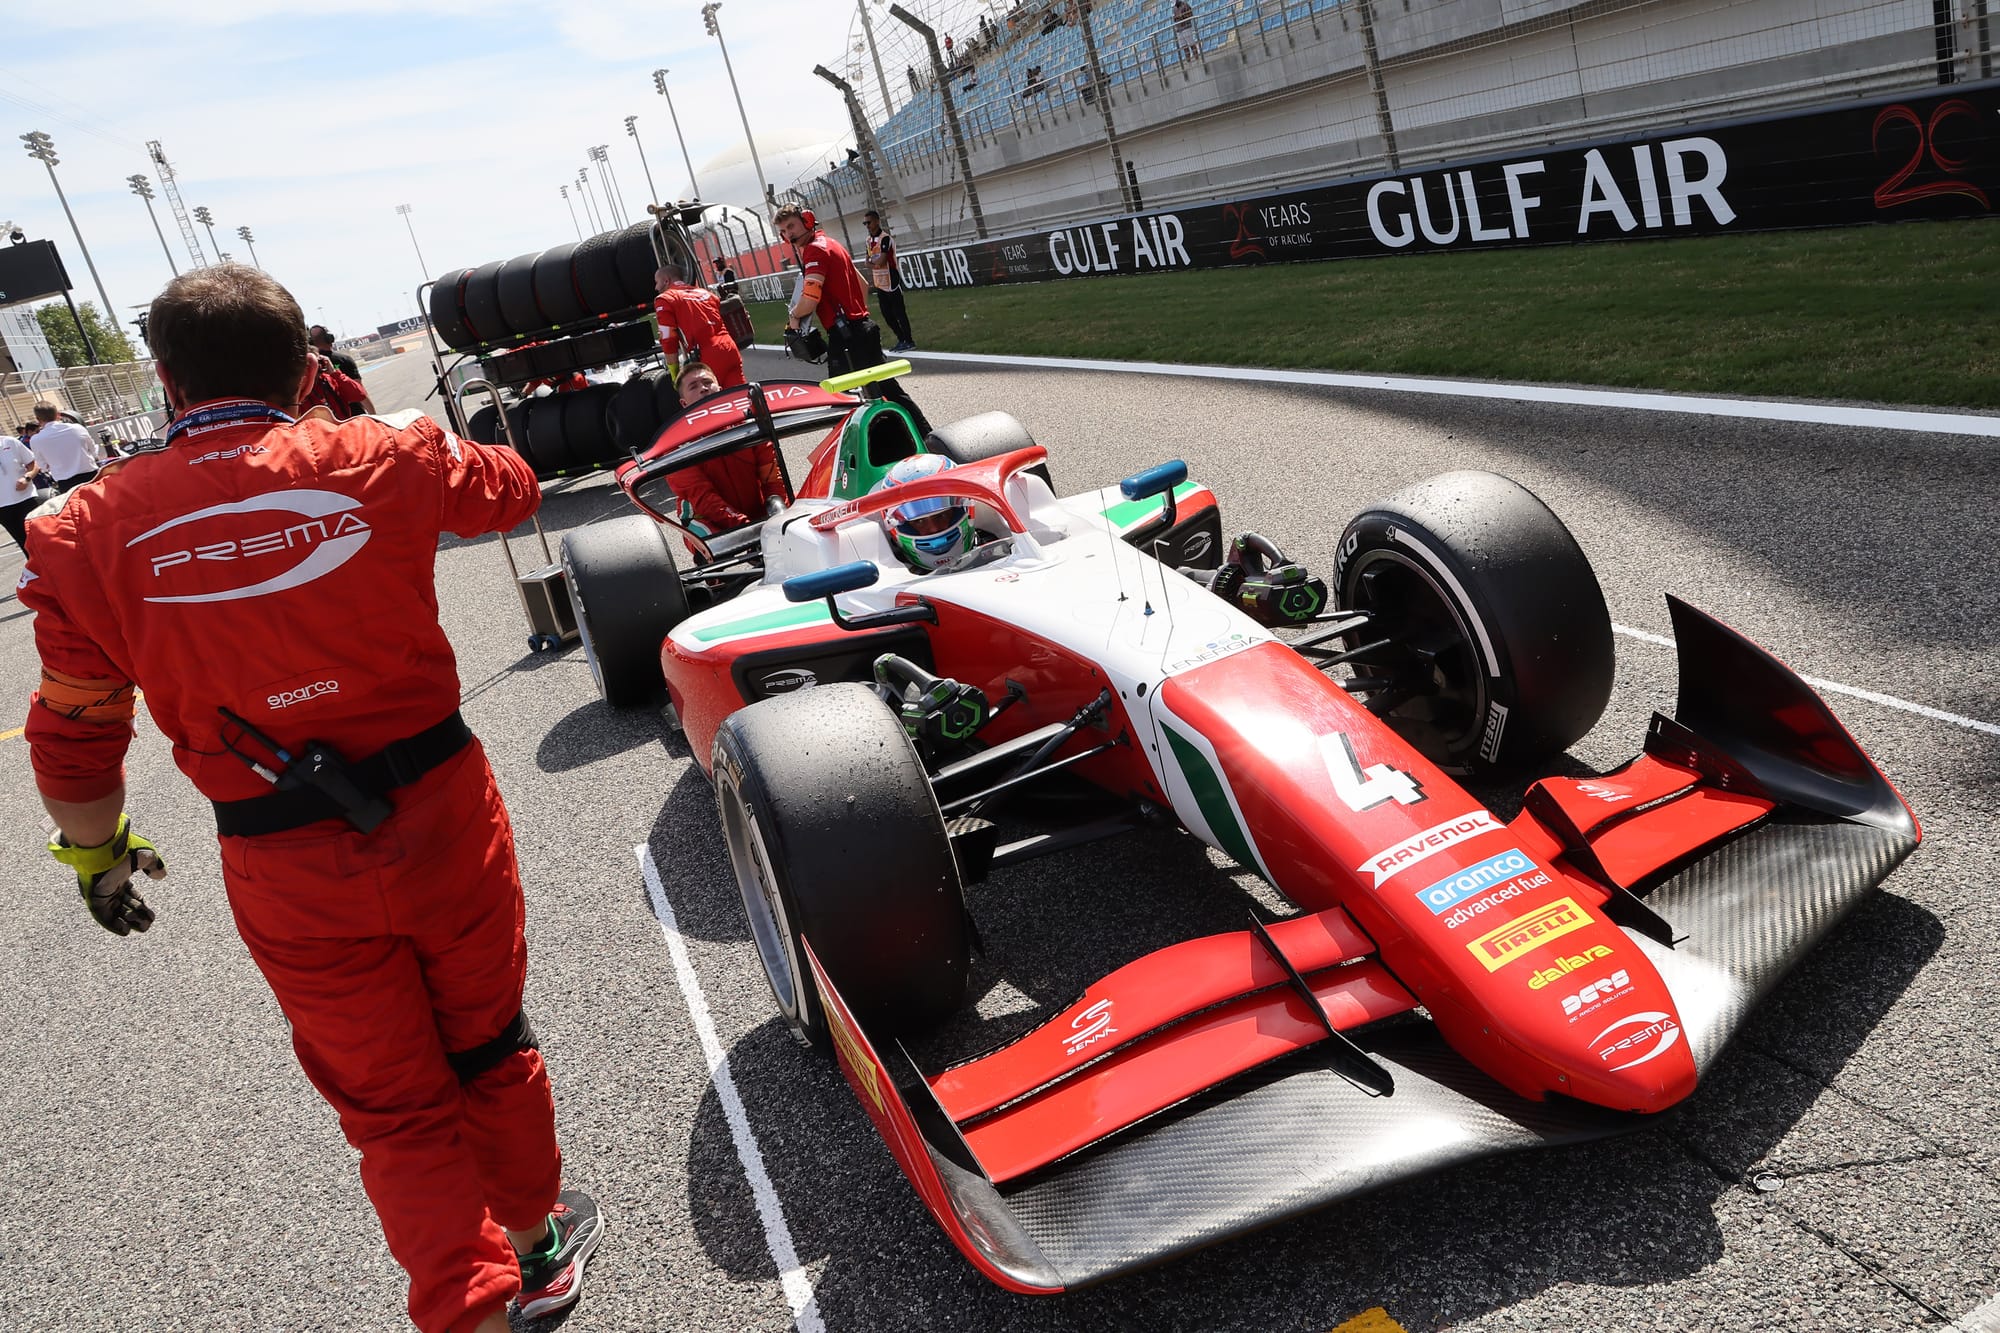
x: 1454, y: 888
x: 1497, y: 948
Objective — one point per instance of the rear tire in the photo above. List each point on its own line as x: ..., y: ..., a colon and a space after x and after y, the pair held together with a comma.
x: 636, y: 263
x: 985, y: 436
x: 1502, y: 644
x: 626, y: 594
x: 596, y: 268
x: 835, y: 837
x: 555, y: 285
x: 546, y: 450
x: 448, y: 311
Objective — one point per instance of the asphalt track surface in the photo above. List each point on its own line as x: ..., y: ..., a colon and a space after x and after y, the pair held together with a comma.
x: 167, y: 1165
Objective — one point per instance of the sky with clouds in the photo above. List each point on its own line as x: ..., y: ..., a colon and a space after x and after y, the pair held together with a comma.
x: 310, y: 123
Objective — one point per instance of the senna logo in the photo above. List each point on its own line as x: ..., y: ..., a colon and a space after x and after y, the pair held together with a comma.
x: 1089, y: 1027
x: 1497, y: 948
x: 319, y: 530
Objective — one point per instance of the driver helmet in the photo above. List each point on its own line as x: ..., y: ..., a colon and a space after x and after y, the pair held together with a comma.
x: 930, y: 532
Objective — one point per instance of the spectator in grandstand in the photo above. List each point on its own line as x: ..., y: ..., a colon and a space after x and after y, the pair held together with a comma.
x: 1190, y: 45
x: 17, y: 488
x: 322, y: 342
x: 690, y: 320
x: 64, y: 449
x: 830, y: 287
x: 887, y: 282
x: 916, y: 85
x: 1036, y: 85
x: 1084, y: 89
x: 339, y: 393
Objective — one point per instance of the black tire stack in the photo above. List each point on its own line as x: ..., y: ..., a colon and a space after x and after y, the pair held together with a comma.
x: 604, y: 284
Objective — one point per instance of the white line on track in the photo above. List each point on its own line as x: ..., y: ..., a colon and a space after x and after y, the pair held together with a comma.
x: 777, y: 1236
x: 1852, y: 691
x: 1879, y: 418
x: 1986, y: 1319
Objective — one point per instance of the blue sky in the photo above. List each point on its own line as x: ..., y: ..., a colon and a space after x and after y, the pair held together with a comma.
x: 309, y: 124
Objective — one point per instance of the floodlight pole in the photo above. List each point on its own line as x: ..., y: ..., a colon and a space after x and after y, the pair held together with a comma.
x: 43, y: 150
x: 572, y: 211
x: 403, y: 209
x: 652, y: 190
x: 715, y: 31
x: 660, y: 82
x: 144, y: 189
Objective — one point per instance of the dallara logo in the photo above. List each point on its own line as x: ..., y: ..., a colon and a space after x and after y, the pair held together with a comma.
x: 1497, y: 948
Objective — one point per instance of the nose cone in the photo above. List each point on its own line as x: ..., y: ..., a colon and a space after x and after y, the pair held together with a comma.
x: 1637, y: 1062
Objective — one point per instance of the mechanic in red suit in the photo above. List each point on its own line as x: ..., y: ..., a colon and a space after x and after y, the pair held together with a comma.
x: 831, y: 288
x: 690, y: 319
x: 724, y: 493
x: 269, y: 585
x: 336, y: 391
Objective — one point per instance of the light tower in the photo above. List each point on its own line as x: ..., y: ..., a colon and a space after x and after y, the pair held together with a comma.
x: 173, y: 193
x: 43, y: 150
x: 715, y: 31
x: 422, y: 267
x: 207, y: 219
x: 652, y: 190
x: 250, y: 241
x: 660, y: 83
x: 144, y: 189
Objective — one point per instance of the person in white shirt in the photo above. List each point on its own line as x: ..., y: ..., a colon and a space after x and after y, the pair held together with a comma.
x: 64, y: 448
x: 17, y: 488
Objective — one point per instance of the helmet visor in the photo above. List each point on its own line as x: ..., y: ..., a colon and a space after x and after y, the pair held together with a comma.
x: 929, y: 516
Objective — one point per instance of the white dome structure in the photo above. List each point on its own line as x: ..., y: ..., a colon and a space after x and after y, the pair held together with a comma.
x: 731, y: 178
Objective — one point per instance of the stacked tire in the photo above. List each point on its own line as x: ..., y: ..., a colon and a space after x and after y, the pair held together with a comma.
x: 609, y: 276
x: 568, y: 433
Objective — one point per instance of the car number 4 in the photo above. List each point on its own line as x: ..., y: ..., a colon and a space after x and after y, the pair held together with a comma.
x: 1361, y: 789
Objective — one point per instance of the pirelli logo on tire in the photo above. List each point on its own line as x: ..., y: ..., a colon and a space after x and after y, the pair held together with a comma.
x: 1524, y: 934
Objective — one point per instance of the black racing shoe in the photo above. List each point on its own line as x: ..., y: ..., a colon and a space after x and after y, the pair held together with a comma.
x: 552, y: 1277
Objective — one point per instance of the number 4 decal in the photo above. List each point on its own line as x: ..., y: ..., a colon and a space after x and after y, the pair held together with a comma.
x: 1360, y: 790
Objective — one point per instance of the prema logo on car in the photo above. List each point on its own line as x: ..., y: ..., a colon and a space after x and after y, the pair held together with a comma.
x: 1197, y: 545
x: 1089, y: 1027
x: 1653, y: 1032
x: 788, y: 680
x: 320, y: 530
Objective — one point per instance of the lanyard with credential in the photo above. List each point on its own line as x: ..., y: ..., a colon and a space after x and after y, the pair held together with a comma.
x: 216, y: 415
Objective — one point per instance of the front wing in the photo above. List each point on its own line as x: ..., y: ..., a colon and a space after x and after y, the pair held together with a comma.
x: 1364, y: 1092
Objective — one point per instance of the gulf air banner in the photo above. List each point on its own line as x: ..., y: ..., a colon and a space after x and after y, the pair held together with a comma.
x: 1930, y: 156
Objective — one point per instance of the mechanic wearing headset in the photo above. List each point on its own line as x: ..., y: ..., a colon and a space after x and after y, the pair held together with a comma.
x: 832, y: 289
x: 690, y: 319
x: 365, y: 850
x: 721, y: 494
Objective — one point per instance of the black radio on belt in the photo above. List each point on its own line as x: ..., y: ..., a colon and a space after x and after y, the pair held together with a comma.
x: 318, y: 767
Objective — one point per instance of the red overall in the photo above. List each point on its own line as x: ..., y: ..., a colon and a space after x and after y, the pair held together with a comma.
x: 286, y: 572
x: 693, y: 316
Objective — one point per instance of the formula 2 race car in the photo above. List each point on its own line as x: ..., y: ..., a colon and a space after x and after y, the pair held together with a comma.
x: 1451, y: 986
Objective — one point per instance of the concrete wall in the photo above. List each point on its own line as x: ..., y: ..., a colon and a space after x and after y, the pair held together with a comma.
x: 1461, y: 77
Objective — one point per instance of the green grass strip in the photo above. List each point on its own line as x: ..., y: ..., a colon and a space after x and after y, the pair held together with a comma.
x: 1886, y: 314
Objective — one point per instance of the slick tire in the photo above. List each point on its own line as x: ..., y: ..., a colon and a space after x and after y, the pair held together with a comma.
x: 555, y: 285
x: 1500, y: 644
x: 636, y: 261
x: 635, y: 412
x: 586, y: 432
x: 448, y: 311
x: 516, y: 289
x: 547, y: 451
x: 985, y: 436
x: 626, y: 594
x: 835, y: 837
x: 482, y: 303
x: 595, y: 264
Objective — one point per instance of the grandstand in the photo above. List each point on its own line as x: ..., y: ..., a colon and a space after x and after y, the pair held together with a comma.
x: 1245, y: 96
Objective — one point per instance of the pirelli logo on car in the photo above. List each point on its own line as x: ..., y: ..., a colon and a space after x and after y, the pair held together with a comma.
x: 1499, y: 947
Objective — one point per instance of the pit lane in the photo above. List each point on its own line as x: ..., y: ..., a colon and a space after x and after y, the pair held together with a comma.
x: 168, y: 1165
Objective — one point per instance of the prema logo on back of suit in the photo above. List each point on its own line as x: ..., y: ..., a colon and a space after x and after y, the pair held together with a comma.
x: 254, y: 547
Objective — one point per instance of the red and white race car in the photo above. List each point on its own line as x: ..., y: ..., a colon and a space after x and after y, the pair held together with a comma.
x: 1452, y: 984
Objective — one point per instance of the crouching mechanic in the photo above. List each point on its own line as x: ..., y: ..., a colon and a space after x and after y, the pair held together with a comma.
x: 367, y: 856
x: 722, y: 494
x: 831, y: 287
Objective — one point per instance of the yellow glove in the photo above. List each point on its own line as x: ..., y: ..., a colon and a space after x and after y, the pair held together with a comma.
x: 104, y: 876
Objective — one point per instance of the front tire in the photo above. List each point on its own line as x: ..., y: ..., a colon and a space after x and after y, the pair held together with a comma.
x: 1500, y: 652
x: 627, y: 594
x: 835, y: 837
